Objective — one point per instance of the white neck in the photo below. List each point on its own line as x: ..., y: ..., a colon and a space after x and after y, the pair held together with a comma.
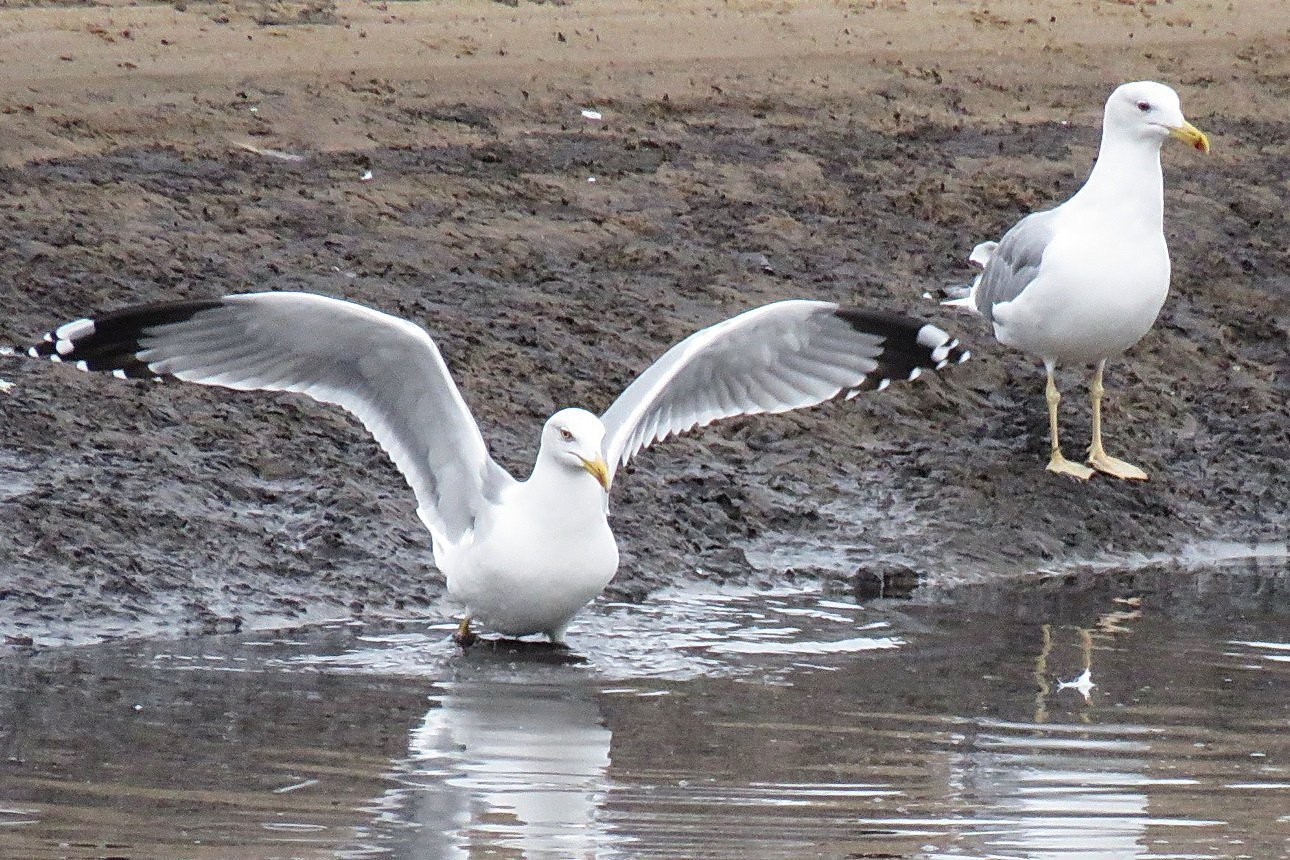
x: 563, y: 496
x: 1126, y: 183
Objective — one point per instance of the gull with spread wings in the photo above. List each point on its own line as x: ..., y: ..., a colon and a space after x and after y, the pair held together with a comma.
x: 522, y: 557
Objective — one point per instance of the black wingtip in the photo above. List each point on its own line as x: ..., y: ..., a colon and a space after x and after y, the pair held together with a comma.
x: 910, y: 347
x: 110, y: 343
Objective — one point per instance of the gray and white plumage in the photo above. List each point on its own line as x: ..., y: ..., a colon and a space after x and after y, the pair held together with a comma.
x: 1084, y: 281
x: 523, y: 556
x: 775, y: 358
x: 1013, y: 263
x: 965, y: 296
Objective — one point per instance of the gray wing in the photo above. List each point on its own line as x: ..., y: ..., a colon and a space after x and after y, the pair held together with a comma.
x: 778, y: 357
x: 385, y: 370
x: 1015, y: 263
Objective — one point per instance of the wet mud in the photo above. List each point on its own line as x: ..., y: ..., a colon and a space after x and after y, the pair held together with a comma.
x: 553, y: 258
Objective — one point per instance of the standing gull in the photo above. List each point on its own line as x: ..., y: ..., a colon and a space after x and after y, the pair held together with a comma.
x: 522, y: 556
x: 1085, y: 281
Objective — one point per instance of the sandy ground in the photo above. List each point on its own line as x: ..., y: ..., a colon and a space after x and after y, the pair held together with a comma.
x: 190, y: 149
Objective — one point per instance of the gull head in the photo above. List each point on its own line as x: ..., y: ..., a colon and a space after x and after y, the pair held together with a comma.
x: 573, y: 438
x: 1146, y: 110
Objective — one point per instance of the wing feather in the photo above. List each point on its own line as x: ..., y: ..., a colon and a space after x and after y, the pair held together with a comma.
x: 778, y: 357
x: 1010, y: 267
x: 386, y: 371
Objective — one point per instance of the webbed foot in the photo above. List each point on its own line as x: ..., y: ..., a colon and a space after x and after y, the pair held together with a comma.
x: 1059, y: 464
x: 1114, y: 466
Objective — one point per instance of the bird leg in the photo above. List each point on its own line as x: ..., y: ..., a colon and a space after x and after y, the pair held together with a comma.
x: 1056, y: 462
x: 464, y: 637
x: 1097, y: 457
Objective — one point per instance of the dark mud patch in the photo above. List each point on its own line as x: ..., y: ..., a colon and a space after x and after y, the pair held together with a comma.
x: 129, y: 508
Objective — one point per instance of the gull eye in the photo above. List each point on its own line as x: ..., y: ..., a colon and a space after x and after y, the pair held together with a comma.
x: 1144, y: 106
x: 566, y: 435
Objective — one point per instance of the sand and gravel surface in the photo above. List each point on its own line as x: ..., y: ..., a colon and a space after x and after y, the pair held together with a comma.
x: 433, y: 160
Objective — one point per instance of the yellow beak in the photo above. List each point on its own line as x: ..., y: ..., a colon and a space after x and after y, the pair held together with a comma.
x: 1191, y: 136
x: 599, y: 470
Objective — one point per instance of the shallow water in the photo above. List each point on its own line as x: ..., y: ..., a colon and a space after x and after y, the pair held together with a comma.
x: 704, y: 723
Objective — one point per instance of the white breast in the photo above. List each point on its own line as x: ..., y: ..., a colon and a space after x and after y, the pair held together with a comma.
x: 536, y: 562
x: 1097, y: 293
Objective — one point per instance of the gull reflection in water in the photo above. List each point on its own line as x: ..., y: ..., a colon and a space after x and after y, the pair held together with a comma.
x: 1070, y: 789
x: 499, y: 769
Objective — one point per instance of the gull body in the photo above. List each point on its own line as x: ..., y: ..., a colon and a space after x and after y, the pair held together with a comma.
x: 522, y: 557
x: 1084, y: 282
x: 1114, y: 300
x: 514, y: 586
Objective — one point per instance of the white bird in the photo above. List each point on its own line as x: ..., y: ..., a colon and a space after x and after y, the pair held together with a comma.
x: 522, y: 556
x: 1084, y: 282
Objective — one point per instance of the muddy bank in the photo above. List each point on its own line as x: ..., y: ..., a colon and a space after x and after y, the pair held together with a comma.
x: 136, y: 508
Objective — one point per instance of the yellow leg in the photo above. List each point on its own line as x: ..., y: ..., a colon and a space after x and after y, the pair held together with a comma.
x: 1041, y: 675
x: 1056, y: 462
x: 1097, y: 457
x: 465, y: 637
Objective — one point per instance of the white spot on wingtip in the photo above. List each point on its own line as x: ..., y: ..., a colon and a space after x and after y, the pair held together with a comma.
x: 853, y: 394
x: 81, y: 365
x: 63, y: 347
x: 931, y: 337
x: 883, y: 384
x: 56, y: 358
x: 119, y: 374
x: 33, y: 352
x: 965, y: 356
x: 75, y: 330
x: 915, y: 373
x: 48, y: 338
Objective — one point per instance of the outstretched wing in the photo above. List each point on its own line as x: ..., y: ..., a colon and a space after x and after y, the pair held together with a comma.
x: 774, y: 358
x: 385, y: 370
x: 1014, y: 263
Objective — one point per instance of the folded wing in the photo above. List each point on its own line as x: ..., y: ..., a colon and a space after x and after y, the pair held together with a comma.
x: 778, y: 357
x: 1013, y: 263
x: 385, y: 370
